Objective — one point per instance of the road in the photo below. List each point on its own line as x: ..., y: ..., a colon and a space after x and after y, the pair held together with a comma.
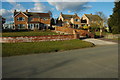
x: 97, y: 62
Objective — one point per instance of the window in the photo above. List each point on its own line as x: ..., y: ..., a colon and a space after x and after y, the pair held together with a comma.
x: 100, y: 21
x: 45, y: 18
x: 78, y: 25
x: 75, y: 26
x: 66, y: 22
x: 20, y: 18
x: 84, y: 21
x: 21, y: 26
x: 37, y: 25
x: 31, y: 26
x: 76, y: 20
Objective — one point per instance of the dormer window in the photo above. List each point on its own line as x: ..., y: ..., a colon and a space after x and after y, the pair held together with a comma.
x: 21, y: 19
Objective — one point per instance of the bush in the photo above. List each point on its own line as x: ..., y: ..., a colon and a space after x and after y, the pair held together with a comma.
x: 115, y: 30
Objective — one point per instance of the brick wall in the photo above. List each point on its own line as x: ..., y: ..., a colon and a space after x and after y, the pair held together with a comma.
x: 37, y: 38
x: 70, y: 31
x: 64, y: 29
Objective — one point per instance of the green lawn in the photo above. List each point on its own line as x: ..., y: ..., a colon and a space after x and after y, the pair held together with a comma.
x: 12, y: 49
x: 27, y: 33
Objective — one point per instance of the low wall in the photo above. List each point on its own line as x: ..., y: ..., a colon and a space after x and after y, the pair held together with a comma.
x: 112, y: 36
x: 70, y: 31
x: 36, y: 38
x: 64, y: 29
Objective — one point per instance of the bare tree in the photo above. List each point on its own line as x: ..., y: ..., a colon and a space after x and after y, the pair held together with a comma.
x: 103, y: 16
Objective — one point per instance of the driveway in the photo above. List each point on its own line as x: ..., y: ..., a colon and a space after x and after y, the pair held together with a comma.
x: 97, y: 62
x: 99, y: 42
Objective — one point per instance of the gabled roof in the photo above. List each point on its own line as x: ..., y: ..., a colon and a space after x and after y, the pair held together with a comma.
x: 34, y: 14
x: 65, y: 16
x: 93, y: 17
x: 19, y: 13
x: 46, y: 15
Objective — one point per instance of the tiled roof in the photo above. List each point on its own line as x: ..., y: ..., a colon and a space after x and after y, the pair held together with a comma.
x: 34, y: 14
x: 65, y: 16
x: 93, y: 17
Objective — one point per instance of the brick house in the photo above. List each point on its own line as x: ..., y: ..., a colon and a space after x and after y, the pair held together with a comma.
x: 72, y: 21
x: 88, y: 19
x: 31, y: 20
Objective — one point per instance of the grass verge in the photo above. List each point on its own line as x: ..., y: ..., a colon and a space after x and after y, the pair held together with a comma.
x: 27, y: 33
x: 12, y: 49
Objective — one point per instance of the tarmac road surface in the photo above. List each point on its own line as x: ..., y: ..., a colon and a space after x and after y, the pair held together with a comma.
x: 97, y: 62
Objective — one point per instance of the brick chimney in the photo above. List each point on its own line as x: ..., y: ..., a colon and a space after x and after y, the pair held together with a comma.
x: 75, y: 14
x: 26, y: 11
x: 15, y: 11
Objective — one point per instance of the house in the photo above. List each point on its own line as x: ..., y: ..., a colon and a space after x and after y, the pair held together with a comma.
x: 72, y: 21
x: 89, y: 19
x: 31, y: 20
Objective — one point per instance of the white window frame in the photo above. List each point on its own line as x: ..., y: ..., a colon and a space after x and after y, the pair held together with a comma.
x: 37, y: 25
x: 19, y: 26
